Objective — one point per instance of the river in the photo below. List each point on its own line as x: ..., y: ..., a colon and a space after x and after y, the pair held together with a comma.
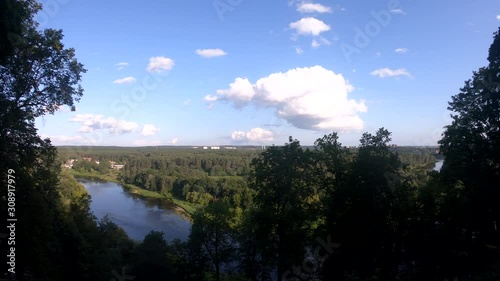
x: 438, y: 165
x: 137, y: 216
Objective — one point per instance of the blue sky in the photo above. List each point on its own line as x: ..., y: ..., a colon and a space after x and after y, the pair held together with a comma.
x: 223, y: 72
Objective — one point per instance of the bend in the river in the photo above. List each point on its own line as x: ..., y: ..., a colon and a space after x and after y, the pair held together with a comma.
x: 137, y: 216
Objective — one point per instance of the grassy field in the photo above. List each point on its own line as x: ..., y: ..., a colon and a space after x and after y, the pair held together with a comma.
x: 188, y: 207
x: 142, y: 192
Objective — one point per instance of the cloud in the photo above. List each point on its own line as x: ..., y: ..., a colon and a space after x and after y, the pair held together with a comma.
x: 121, y: 65
x: 309, y: 26
x: 149, y: 130
x: 211, y: 98
x: 312, y: 98
x: 146, y: 143
x: 299, y: 50
x: 175, y: 141
x: 92, y: 122
x: 64, y: 109
x: 313, y: 8
x: 498, y: 17
x: 401, y: 50
x: 159, y: 64
x: 321, y: 41
x: 240, y: 92
x: 65, y: 140
x: 254, y: 135
x: 387, y: 72
x: 125, y: 80
x: 397, y: 11
x: 210, y: 53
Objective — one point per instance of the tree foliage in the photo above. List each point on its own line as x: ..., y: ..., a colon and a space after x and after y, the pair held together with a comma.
x: 471, y: 171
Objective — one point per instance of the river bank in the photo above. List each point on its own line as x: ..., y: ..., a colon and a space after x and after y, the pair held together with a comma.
x: 137, y: 216
x: 181, y: 207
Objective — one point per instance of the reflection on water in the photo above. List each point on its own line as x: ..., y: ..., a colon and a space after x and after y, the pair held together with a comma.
x: 137, y: 216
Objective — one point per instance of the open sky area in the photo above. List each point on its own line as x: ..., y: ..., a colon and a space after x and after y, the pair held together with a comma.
x: 222, y: 72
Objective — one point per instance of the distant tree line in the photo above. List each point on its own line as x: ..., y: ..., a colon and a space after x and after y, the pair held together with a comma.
x: 193, y: 176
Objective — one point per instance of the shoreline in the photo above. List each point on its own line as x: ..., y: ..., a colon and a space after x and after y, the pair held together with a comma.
x: 184, y: 211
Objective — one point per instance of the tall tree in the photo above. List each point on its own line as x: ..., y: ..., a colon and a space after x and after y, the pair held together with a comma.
x: 284, y: 188
x: 471, y: 144
x: 213, y: 234
x: 37, y: 76
x: 361, y: 209
x: 14, y: 17
x: 152, y: 259
x: 471, y: 149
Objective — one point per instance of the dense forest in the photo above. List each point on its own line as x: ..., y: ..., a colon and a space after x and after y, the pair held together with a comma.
x: 289, y: 212
x: 194, y: 175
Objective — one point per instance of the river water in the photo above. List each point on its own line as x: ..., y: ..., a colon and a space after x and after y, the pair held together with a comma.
x: 136, y: 215
x: 438, y: 165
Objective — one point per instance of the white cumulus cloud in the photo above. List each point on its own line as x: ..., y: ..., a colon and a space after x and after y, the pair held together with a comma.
x: 311, y: 98
x: 125, y: 80
x: 313, y: 8
x: 387, y: 72
x: 92, y: 122
x: 401, y: 50
x: 240, y: 92
x: 254, y: 135
x: 159, y: 64
x: 149, y: 130
x: 210, y: 53
x: 498, y: 17
x: 309, y: 26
